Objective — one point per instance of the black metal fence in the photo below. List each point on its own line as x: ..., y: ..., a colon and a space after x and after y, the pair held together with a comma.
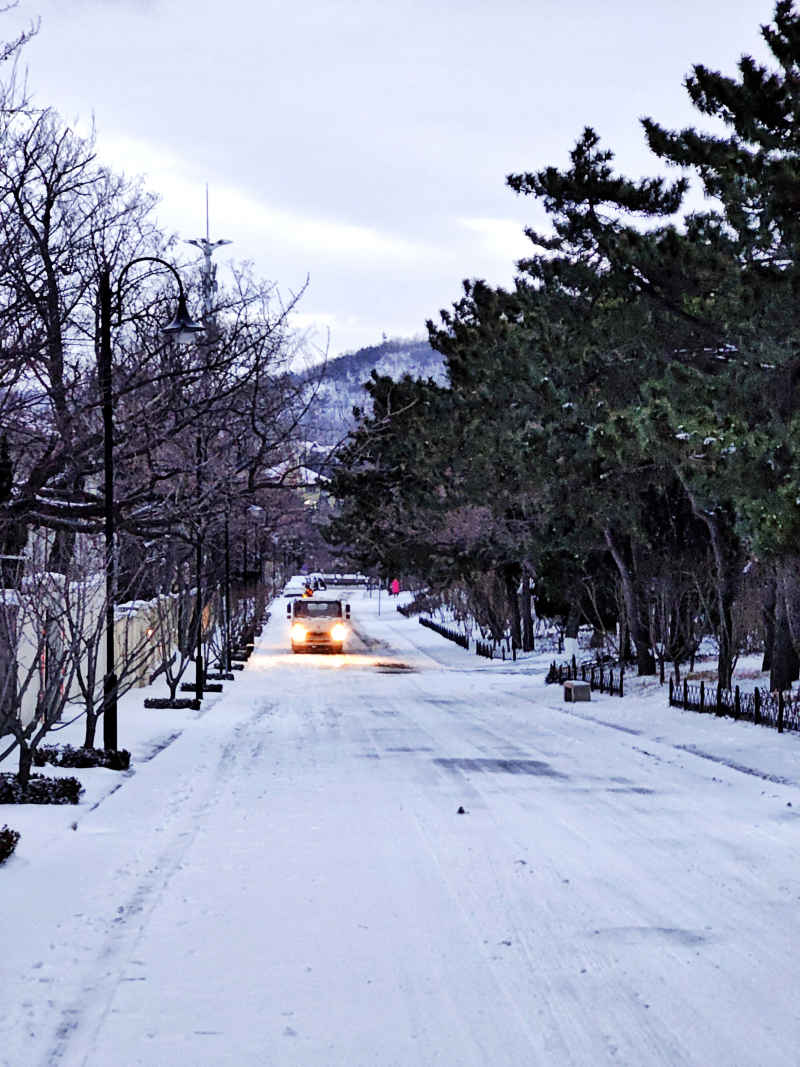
x: 779, y: 710
x: 489, y: 650
x: 451, y: 635
x: 602, y: 677
x: 482, y: 648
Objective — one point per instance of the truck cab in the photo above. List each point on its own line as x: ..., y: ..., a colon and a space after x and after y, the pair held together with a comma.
x: 318, y: 623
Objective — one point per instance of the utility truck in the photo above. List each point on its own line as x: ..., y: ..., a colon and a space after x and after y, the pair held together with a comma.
x: 318, y: 623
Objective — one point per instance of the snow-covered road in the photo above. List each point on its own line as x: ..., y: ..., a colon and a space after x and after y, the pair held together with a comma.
x: 290, y: 883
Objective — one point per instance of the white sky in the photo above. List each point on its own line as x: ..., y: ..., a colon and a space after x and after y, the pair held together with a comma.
x: 366, y: 145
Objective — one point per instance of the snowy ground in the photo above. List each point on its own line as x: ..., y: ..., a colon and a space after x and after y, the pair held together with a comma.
x: 284, y: 878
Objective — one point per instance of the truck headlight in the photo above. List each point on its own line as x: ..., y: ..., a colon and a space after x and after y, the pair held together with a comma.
x: 339, y: 632
x: 298, y: 632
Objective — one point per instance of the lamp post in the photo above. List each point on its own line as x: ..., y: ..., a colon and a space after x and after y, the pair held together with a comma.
x: 198, y: 658
x: 181, y: 329
x: 228, y: 658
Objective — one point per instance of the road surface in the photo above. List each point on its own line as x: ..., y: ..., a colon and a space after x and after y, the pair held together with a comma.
x: 379, y: 859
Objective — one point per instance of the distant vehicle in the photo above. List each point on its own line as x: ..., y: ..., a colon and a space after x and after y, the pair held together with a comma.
x: 344, y: 579
x: 295, y: 586
x: 318, y: 623
x: 298, y: 584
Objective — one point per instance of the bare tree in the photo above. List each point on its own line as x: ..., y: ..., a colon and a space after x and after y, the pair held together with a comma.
x: 61, y: 215
x: 174, y: 638
x: 40, y: 669
x: 84, y: 607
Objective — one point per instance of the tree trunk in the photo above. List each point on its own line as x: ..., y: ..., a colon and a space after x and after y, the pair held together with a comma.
x: 768, y: 618
x: 637, y: 628
x: 25, y: 763
x: 62, y: 552
x: 788, y: 593
x: 572, y: 626
x: 728, y: 560
x: 13, y: 532
x: 511, y: 576
x: 92, y: 717
x: 573, y: 623
x: 91, y: 727
x: 527, y: 616
x: 728, y: 557
x: 784, y: 658
x: 173, y: 686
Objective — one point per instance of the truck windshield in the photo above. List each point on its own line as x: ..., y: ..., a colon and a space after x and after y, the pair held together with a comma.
x: 318, y: 609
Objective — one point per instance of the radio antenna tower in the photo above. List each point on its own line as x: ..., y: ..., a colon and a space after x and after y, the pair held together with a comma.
x: 209, y: 283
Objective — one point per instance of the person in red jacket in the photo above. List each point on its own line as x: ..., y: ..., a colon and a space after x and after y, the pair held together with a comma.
x: 394, y: 588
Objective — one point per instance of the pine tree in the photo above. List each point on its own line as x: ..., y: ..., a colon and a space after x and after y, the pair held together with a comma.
x: 753, y: 172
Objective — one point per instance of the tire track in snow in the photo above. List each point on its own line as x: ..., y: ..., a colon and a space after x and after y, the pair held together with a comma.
x: 86, y: 1014
x: 571, y: 914
x: 692, y: 750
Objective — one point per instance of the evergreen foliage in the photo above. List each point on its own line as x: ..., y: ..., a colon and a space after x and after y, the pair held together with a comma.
x: 621, y: 424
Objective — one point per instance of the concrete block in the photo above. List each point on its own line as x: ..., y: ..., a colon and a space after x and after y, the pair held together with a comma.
x: 575, y: 691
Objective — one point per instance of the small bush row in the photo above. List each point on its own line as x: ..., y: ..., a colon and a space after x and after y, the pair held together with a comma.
x: 165, y: 702
x: 67, y: 756
x: 40, y: 790
x: 8, y: 842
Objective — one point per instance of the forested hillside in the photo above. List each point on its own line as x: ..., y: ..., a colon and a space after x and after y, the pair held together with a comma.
x: 341, y: 389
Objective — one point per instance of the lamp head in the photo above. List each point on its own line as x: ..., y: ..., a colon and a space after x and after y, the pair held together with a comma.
x: 183, y: 328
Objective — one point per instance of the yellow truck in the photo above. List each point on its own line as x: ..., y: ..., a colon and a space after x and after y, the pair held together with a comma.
x: 318, y: 624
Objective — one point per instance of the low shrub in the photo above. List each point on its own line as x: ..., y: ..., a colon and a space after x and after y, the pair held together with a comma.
x: 8, y: 842
x: 40, y: 790
x: 67, y: 756
x: 165, y: 702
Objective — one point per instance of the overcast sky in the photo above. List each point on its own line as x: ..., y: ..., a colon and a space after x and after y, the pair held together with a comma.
x: 365, y: 145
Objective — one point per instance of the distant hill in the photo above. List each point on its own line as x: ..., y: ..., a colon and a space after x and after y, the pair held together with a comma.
x: 342, y: 388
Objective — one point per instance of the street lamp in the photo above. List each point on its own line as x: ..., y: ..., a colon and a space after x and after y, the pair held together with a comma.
x: 198, y: 546
x: 181, y: 329
x: 228, y: 657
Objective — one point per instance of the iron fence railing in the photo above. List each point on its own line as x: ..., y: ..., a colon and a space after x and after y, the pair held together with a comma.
x: 602, y: 677
x: 451, y: 635
x: 488, y: 649
x: 778, y: 710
